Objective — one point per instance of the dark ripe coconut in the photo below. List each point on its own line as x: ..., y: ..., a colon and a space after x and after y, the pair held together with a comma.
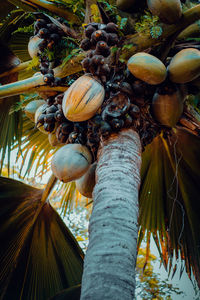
x: 196, y: 82
x: 125, y: 4
x: 41, y: 110
x: 167, y: 109
x: 82, y: 100
x: 86, y: 183
x: 147, y: 67
x: 31, y: 108
x: 33, y: 46
x: 168, y: 11
x: 70, y: 162
x: 185, y: 66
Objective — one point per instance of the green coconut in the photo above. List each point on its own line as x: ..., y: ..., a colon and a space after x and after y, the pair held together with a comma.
x: 185, y: 66
x: 147, y: 67
x: 31, y: 108
x: 86, y: 183
x: 168, y: 108
x: 70, y: 162
x: 168, y: 11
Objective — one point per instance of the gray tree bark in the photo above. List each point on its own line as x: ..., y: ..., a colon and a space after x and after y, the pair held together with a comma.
x: 109, y: 266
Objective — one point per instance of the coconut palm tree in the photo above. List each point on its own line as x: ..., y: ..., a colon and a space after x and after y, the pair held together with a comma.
x: 151, y: 182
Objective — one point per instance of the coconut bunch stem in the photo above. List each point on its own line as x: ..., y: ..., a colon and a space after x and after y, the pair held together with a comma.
x: 18, y: 68
x: 19, y: 87
x: 74, y: 65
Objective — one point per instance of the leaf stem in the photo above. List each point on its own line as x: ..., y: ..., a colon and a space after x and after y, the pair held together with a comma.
x: 16, y: 69
x: 23, y: 86
x: 50, y: 184
x: 62, y: 12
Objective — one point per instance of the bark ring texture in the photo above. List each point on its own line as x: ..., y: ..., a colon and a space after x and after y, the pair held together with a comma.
x: 109, y: 267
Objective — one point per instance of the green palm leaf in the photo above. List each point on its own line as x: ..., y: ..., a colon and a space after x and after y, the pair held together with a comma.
x: 38, y: 256
x: 168, y: 197
x: 36, y: 143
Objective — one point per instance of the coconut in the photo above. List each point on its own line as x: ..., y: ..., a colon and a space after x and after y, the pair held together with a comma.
x: 125, y: 4
x: 33, y: 46
x: 53, y: 141
x: 168, y: 11
x: 86, y: 183
x: 31, y: 108
x: 70, y: 162
x: 185, y: 66
x: 82, y: 100
x: 41, y: 109
x: 168, y: 108
x: 147, y: 68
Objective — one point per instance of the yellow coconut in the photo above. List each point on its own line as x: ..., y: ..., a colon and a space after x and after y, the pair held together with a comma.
x: 70, y: 162
x: 168, y: 11
x: 147, y: 67
x: 31, y: 108
x: 86, y: 183
x: 82, y: 100
x: 185, y: 66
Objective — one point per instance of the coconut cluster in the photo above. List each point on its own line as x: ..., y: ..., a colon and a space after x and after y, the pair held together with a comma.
x: 49, y: 118
x: 144, y: 94
x: 122, y: 105
x: 99, y: 39
x: 47, y: 36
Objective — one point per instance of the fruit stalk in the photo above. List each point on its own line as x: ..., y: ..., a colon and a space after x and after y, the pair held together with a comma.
x: 22, y: 86
x: 44, y: 88
x: 16, y: 69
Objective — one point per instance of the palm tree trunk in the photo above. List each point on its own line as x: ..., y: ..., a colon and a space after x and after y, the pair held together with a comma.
x: 109, y: 267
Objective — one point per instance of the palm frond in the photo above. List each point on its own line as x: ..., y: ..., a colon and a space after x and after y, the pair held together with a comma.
x: 168, y: 197
x: 38, y: 256
x: 10, y: 129
x: 6, y: 7
x: 72, y: 293
x: 19, y: 45
x: 10, y: 24
x: 10, y: 124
